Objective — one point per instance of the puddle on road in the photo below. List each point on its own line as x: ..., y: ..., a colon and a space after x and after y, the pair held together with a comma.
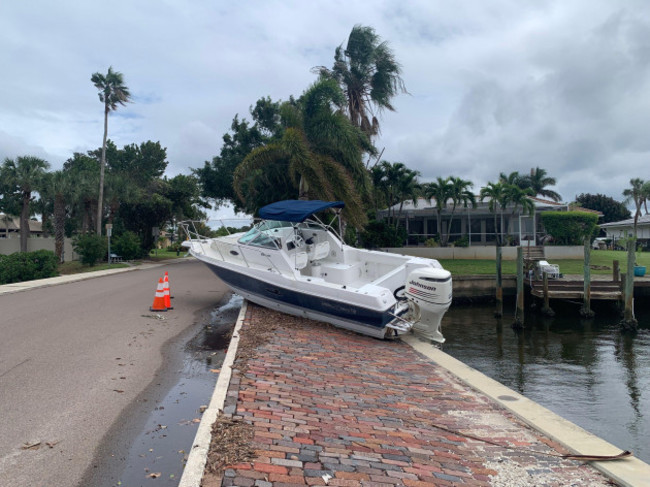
x: 158, y: 454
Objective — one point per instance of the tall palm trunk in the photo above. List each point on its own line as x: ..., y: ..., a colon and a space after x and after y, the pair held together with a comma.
x: 24, y: 221
x: 101, y: 173
x: 59, y: 226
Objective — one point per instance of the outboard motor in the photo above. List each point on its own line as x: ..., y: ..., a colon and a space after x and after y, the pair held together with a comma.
x: 428, y: 291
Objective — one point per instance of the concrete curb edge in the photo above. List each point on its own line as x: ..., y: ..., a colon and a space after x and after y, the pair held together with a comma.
x: 193, y: 472
x: 630, y: 472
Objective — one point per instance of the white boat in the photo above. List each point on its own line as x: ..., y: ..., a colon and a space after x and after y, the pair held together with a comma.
x: 293, y: 262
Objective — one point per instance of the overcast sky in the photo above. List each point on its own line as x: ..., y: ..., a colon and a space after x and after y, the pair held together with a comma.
x: 495, y: 86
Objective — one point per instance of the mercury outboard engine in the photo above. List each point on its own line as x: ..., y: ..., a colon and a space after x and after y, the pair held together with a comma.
x: 428, y: 291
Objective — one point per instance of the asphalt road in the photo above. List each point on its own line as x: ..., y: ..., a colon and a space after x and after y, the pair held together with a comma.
x: 78, y: 361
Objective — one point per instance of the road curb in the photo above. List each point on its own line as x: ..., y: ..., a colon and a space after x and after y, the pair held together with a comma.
x: 193, y: 472
x: 628, y: 472
x: 55, y: 281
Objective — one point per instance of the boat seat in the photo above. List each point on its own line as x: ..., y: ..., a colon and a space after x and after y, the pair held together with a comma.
x: 300, y: 260
x: 319, y: 251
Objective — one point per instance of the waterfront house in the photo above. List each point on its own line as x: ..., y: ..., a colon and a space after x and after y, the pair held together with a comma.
x: 625, y: 228
x: 477, y: 224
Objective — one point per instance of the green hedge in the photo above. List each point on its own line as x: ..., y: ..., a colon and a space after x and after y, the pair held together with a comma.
x: 570, y: 227
x: 27, y: 266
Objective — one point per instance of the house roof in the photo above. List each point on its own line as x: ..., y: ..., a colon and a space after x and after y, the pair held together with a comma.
x: 12, y: 224
x: 642, y: 221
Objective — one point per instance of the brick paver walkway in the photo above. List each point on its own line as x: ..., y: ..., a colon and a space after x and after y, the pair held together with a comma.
x: 330, y: 407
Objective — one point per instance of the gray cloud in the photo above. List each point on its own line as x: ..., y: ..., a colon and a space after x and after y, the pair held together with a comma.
x: 494, y: 86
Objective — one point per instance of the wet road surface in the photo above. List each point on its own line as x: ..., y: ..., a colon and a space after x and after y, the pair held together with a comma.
x: 80, y: 361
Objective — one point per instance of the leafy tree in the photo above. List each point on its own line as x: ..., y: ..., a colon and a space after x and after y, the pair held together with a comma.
x: 611, y: 209
x: 368, y: 73
x: 216, y: 176
x: 112, y: 91
x: 84, y: 171
x: 140, y: 163
x: 23, y: 177
x: 317, y: 156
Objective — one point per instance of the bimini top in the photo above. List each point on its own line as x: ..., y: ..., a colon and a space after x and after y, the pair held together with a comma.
x: 296, y: 210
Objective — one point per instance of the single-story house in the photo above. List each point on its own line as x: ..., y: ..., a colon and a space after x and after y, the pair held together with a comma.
x: 477, y: 224
x: 625, y: 228
x: 10, y: 227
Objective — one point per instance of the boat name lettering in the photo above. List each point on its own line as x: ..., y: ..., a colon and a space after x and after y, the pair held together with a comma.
x: 423, y: 286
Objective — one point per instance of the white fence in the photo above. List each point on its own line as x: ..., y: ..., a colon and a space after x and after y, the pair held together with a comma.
x: 11, y: 245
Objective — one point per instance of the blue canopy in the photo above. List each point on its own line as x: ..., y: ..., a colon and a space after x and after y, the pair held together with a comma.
x: 296, y: 210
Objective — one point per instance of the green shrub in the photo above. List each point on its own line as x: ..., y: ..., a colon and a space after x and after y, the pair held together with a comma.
x: 127, y: 246
x: 27, y: 266
x: 462, y: 241
x: 570, y: 227
x: 91, y: 248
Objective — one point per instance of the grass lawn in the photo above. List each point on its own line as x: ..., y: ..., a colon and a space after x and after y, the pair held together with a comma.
x: 567, y: 266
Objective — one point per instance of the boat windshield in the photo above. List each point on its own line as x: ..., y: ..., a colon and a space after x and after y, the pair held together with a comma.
x: 263, y: 234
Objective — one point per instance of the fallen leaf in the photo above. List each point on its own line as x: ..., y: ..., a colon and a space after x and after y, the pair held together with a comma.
x: 216, y: 371
x: 52, y: 444
x: 118, y: 390
x: 196, y: 420
x: 154, y: 475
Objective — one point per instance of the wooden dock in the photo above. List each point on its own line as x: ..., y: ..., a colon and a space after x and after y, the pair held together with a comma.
x: 574, y: 289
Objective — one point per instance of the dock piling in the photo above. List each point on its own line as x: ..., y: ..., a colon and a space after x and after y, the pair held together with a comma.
x: 519, y: 312
x: 586, y: 311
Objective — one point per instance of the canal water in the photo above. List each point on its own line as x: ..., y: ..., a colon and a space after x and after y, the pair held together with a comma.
x: 586, y: 371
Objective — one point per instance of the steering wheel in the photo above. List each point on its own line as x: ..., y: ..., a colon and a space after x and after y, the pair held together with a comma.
x: 297, y: 241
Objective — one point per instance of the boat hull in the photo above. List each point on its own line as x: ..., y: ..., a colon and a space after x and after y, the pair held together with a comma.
x: 271, y: 292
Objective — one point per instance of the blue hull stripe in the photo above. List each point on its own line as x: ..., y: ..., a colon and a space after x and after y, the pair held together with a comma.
x: 338, y: 309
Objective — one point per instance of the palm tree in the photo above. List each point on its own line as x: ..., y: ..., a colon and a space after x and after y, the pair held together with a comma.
x: 518, y: 198
x: 442, y: 191
x: 495, y: 192
x: 320, y: 151
x: 60, y: 188
x: 635, y: 193
x: 460, y: 194
x: 538, y: 180
x: 369, y: 75
x: 112, y: 92
x: 513, y: 178
x: 24, y: 176
x: 395, y: 183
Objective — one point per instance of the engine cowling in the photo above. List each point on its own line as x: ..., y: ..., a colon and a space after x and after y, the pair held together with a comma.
x: 429, y: 291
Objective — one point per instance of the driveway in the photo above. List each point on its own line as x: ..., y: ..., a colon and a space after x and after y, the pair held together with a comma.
x: 79, y: 359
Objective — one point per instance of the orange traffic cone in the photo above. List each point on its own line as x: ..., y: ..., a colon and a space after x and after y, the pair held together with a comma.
x: 159, y: 298
x: 168, y: 303
x: 166, y: 281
